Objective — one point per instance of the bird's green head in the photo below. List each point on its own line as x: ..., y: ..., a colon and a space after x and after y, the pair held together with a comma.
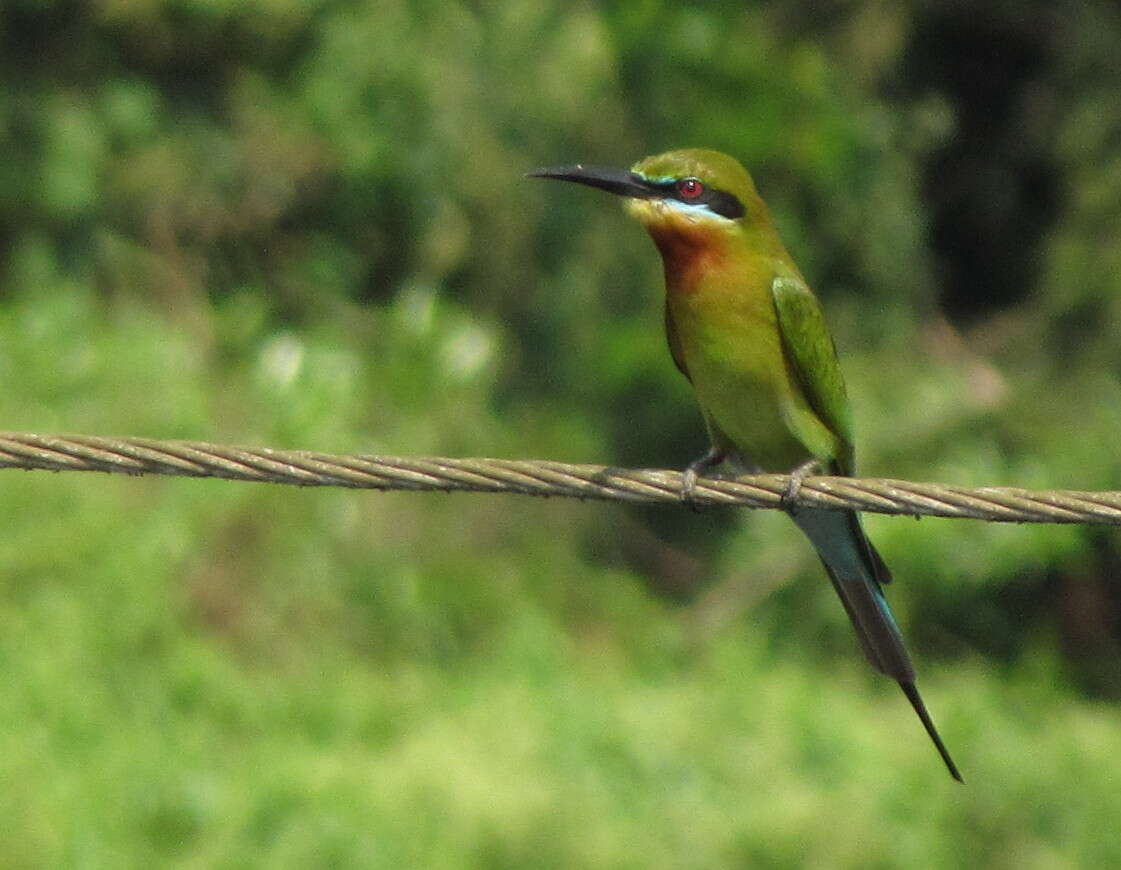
x: 685, y: 195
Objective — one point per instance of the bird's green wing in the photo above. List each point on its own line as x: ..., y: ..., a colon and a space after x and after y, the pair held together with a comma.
x: 812, y: 358
x: 675, y: 344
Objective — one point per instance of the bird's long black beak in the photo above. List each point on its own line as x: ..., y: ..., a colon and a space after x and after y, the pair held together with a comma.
x: 621, y: 182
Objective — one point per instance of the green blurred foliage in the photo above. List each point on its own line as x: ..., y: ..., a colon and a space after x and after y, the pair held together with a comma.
x: 305, y: 225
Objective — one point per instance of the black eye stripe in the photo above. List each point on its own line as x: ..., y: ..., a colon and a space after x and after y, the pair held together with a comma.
x: 724, y: 204
x: 716, y: 201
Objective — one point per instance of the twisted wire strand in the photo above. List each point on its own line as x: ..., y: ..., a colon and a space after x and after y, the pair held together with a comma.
x: 138, y: 456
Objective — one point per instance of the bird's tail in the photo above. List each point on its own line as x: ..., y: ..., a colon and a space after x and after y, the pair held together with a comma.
x: 858, y: 574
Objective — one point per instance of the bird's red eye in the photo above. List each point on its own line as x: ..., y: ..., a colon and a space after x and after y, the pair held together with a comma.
x: 690, y: 188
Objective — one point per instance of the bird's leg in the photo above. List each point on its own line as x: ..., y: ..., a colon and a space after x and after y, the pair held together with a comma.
x: 712, y: 457
x: 794, y: 485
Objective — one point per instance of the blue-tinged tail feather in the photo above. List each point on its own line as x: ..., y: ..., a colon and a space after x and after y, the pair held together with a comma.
x: 857, y: 573
x: 915, y: 698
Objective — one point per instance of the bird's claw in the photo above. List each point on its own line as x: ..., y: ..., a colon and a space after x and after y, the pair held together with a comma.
x: 712, y: 457
x: 794, y: 484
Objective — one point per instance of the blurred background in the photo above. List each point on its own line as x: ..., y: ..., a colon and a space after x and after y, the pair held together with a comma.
x: 304, y: 224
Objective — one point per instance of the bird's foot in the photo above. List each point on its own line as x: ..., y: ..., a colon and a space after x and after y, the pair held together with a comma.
x: 794, y: 485
x: 712, y: 457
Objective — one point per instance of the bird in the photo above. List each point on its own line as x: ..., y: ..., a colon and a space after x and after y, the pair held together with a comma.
x: 746, y: 330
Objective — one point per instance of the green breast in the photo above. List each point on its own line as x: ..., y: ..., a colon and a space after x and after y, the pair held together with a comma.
x: 728, y: 336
